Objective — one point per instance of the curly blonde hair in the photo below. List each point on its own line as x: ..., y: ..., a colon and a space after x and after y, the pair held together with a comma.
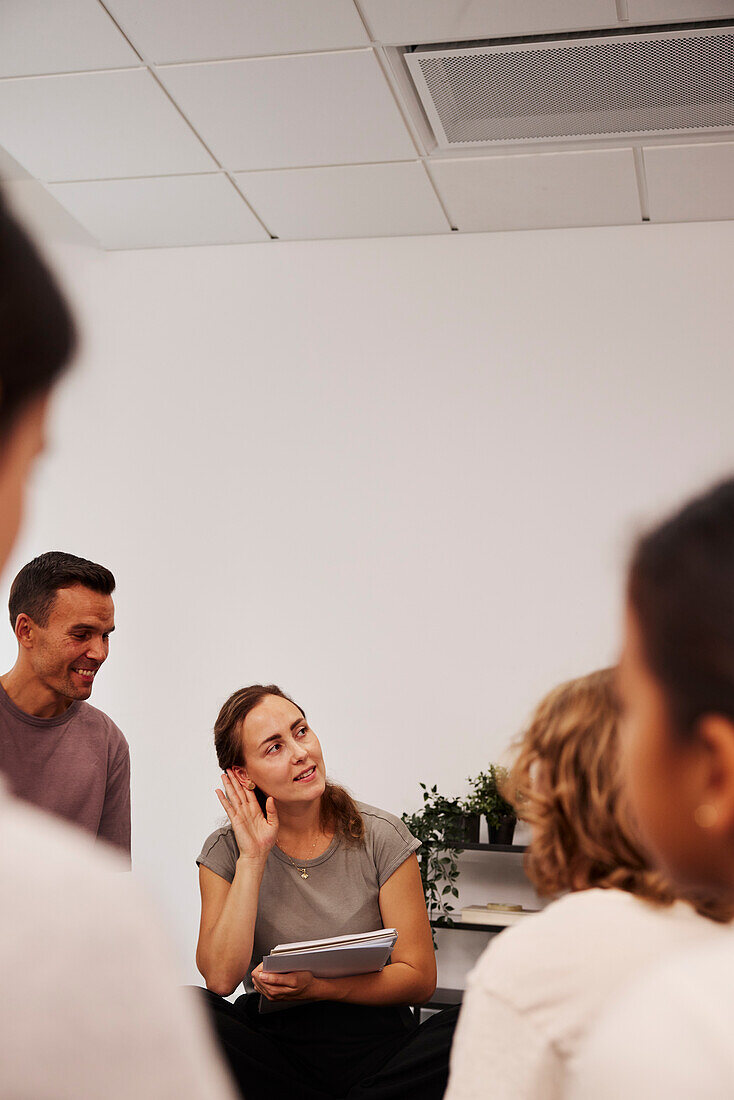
x: 565, y: 782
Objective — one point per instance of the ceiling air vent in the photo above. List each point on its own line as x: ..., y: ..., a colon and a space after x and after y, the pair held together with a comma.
x: 578, y: 87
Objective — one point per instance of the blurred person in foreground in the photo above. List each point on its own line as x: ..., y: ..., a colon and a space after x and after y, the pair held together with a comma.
x: 540, y: 985
x: 670, y: 1034
x: 91, y: 1005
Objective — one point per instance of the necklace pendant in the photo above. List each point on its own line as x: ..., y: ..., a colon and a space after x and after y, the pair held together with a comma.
x: 304, y: 873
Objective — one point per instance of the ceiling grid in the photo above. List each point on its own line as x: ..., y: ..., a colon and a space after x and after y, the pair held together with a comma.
x: 228, y: 176
x: 278, y: 120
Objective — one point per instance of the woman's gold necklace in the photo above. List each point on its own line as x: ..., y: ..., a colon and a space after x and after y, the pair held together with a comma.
x: 302, y: 870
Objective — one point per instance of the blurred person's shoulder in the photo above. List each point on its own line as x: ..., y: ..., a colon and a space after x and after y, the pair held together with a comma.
x: 561, y: 965
x: 673, y: 1026
x: 573, y: 925
x: 578, y: 927
x: 84, y: 962
x: 64, y: 886
x: 39, y: 845
x: 695, y: 986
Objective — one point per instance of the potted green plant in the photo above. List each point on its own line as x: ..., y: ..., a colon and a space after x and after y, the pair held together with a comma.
x: 486, y: 798
x: 439, y: 827
x: 457, y: 822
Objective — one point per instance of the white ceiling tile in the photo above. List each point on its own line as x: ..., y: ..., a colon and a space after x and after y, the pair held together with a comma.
x: 406, y: 22
x: 666, y: 11
x: 161, y: 213
x: 690, y: 182
x: 179, y: 30
x: 326, y: 108
x: 94, y: 125
x: 540, y: 191
x: 57, y: 36
x: 366, y: 200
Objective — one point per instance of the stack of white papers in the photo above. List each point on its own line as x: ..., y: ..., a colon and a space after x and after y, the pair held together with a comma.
x: 336, y: 957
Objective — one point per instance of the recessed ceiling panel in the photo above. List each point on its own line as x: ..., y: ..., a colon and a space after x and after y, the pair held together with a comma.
x: 161, y: 213
x: 577, y: 87
x: 96, y: 125
x: 687, y: 183
x: 312, y: 109
x: 57, y: 36
x: 365, y: 200
x: 407, y: 23
x: 668, y: 11
x: 546, y: 191
x: 179, y: 30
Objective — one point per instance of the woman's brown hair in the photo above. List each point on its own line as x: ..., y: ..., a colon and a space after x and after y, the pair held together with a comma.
x: 338, y: 809
x: 566, y: 783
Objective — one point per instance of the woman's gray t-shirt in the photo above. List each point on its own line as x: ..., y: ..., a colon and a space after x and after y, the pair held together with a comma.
x: 340, y: 895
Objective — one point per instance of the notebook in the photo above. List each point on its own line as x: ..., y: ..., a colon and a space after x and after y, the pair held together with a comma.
x: 336, y: 957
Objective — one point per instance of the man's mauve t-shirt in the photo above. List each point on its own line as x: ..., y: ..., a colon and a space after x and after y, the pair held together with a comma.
x: 76, y: 765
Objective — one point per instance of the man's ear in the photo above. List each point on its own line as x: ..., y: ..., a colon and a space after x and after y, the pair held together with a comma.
x: 25, y: 630
x: 242, y: 775
x: 715, y: 811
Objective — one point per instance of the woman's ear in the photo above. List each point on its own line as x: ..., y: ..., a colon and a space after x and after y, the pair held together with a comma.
x: 243, y: 777
x: 715, y: 809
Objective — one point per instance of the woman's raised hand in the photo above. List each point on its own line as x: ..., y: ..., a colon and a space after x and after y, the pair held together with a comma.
x: 254, y: 831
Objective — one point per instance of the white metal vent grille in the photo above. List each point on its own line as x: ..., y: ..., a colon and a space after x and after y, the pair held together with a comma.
x: 676, y: 81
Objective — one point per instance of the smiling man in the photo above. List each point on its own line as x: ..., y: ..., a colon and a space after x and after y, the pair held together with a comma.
x: 58, y: 751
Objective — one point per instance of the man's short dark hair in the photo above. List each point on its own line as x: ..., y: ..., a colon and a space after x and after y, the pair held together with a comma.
x: 34, y: 589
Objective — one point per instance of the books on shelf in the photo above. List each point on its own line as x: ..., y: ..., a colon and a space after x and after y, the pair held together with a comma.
x: 336, y: 957
x: 496, y: 913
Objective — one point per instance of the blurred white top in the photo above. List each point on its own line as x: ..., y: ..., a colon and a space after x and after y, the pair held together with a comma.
x: 91, y: 1004
x: 540, y: 986
x: 669, y: 1034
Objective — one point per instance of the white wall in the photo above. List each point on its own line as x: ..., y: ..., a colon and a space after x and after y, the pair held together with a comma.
x: 397, y: 477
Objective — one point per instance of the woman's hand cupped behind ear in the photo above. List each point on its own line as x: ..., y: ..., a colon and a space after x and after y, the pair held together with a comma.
x: 254, y: 831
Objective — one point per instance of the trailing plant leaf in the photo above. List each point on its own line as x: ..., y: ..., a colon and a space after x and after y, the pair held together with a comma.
x: 436, y: 826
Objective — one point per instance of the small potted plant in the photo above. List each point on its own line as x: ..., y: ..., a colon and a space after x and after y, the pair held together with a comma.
x: 457, y: 822
x: 486, y: 798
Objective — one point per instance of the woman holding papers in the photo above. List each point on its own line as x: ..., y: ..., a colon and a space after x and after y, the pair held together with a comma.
x: 300, y: 860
